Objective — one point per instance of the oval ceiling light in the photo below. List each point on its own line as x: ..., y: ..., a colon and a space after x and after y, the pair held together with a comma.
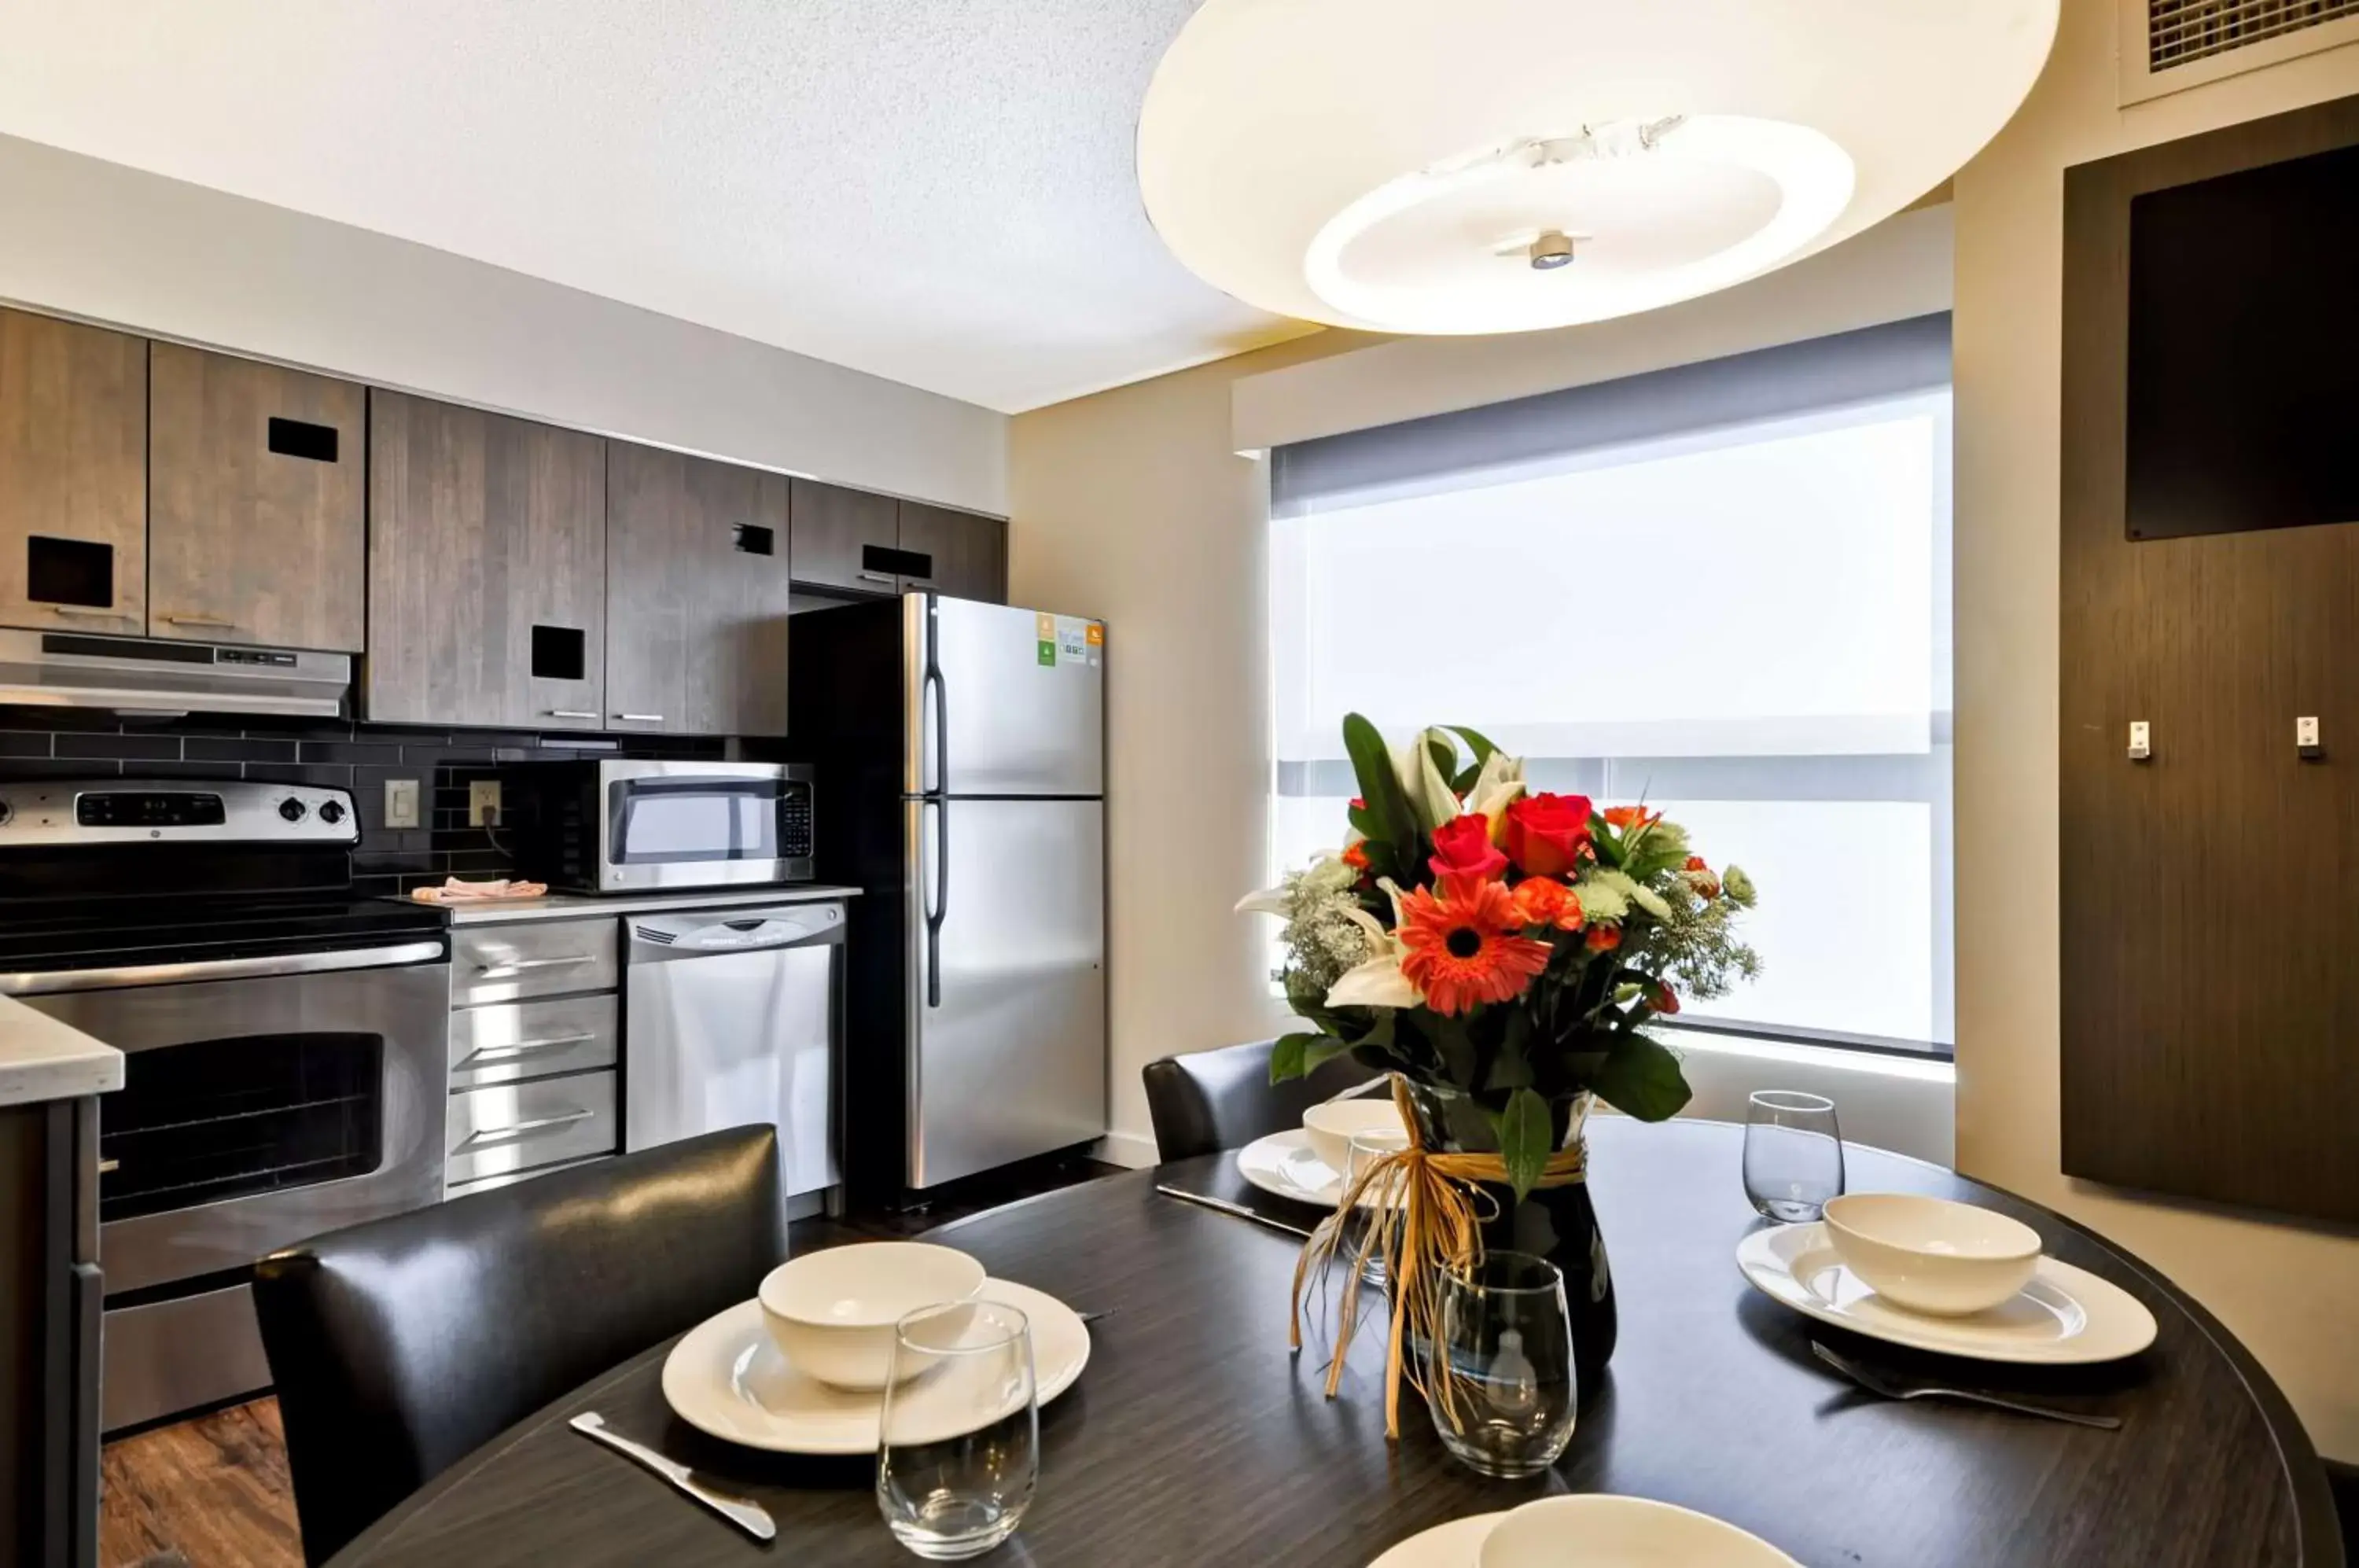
x: 1494, y: 165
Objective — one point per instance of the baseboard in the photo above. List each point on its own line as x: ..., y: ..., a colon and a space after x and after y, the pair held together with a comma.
x: 1133, y: 1151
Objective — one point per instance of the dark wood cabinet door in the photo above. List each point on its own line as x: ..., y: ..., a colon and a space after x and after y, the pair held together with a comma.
x: 696, y: 590
x: 964, y: 555
x: 256, y: 485
x: 487, y: 569
x: 73, y: 476
x: 833, y: 529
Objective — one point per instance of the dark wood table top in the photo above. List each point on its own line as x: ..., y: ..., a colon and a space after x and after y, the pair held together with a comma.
x: 1194, y: 1437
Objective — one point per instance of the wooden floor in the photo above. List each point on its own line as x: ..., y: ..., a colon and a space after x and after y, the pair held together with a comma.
x: 214, y: 1493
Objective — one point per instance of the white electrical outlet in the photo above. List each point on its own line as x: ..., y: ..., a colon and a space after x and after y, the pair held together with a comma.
x: 401, y: 802
x: 483, y: 804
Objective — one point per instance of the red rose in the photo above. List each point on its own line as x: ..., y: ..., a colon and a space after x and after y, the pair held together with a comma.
x: 1604, y: 939
x: 1665, y: 1000
x: 1547, y: 833
x: 1463, y: 848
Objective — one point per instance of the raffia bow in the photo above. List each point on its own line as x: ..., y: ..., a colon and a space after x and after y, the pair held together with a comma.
x: 1434, y: 1196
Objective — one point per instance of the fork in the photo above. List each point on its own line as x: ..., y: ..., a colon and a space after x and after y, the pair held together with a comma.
x: 1874, y: 1383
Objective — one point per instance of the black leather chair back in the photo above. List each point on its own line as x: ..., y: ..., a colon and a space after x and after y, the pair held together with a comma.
x: 400, y: 1346
x: 1211, y: 1100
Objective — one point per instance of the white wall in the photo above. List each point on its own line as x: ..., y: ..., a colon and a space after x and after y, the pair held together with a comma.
x: 2289, y: 1292
x: 84, y: 237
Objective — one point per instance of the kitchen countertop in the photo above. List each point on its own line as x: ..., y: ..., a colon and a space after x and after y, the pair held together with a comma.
x: 41, y: 1059
x: 578, y: 906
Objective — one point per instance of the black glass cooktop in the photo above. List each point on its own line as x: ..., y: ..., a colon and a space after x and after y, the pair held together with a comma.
x: 82, y: 933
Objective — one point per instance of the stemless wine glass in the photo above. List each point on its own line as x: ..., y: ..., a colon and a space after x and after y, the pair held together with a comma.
x: 1501, y: 1396
x: 1793, y: 1155
x: 960, y: 1435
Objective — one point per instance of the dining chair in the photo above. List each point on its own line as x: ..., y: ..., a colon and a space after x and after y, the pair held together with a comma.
x: 1210, y: 1100
x: 400, y: 1346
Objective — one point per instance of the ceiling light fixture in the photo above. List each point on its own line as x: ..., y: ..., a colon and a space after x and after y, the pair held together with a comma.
x: 1405, y: 166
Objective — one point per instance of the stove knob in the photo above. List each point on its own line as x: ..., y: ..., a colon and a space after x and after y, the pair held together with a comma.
x: 332, y: 812
x: 291, y: 809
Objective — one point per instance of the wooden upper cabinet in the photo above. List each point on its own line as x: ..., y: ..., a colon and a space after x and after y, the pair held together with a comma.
x: 73, y: 476
x: 835, y: 533
x: 697, y: 591
x: 257, y: 486
x: 487, y: 569
x: 959, y: 553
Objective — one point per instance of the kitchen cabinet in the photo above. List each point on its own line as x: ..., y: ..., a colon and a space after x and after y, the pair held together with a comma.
x: 73, y: 476
x: 487, y: 569
x: 958, y: 553
x: 697, y: 591
x: 844, y: 540
x: 255, y: 494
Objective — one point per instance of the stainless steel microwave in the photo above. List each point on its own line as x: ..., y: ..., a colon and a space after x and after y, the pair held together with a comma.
x: 616, y: 826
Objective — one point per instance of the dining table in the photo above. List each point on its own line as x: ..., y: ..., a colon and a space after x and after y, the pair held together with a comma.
x: 1195, y: 1435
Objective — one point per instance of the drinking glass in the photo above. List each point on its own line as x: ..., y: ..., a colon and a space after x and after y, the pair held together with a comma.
x: 1503, y: 1396
x: 1793, y: 1155
x: 961, y: 1435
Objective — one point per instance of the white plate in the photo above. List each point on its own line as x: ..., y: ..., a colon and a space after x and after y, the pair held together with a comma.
x: 1601, y: 1530
x: 1283, y: 1163
x: 2066, y: 1316
x: 727, y: 1377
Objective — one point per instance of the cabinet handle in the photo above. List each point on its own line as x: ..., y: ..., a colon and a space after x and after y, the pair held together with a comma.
x: 526, y: 1128
x: 201, y: 621
x: 515, y: 966
x: 566, y: 713
x: 525, y: 1048
x: 77, y: 611
x: 885, y: 577
x: 642, y: 718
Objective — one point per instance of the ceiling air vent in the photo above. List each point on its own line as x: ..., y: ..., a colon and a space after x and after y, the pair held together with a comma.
x: 2167, y: 44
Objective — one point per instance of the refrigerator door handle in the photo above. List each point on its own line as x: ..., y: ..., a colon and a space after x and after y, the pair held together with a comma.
x: 939, y: 709
x: 938, y: 903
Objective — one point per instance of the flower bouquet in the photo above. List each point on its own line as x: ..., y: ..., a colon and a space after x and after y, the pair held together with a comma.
x: 1501, y: 952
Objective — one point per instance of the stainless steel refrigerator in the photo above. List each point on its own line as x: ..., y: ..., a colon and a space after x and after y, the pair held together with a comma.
x: 959, y: 750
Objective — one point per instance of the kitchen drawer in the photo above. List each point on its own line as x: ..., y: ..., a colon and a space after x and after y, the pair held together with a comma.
x: 503, y: 1041
x: 521, y: 1126
x: 512, y: 1177
x: 507, y: 964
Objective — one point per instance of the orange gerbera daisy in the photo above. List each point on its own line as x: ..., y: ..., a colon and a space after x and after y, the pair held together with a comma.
x: 1467, y: 947
x: 1545, y: 901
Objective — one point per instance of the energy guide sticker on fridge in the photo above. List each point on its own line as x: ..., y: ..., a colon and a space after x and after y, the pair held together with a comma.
x: 1070, y: 640
x: 1044, y: 627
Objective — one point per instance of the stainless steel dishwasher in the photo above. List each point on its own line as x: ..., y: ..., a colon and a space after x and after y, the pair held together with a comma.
x: 733, y: 1016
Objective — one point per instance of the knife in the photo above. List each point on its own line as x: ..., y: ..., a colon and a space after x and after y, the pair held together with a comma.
x: 749, y: 1516
x: 1222, y: 1205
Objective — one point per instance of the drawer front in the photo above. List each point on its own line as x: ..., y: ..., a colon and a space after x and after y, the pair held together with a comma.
x: 522, y: 1126
x: 503, y: 1041
x: 548, y: 958
x: 512, y: 1177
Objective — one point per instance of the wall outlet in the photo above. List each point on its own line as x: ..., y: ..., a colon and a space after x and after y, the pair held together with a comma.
x: 483, y: 804
x: 401, y: 802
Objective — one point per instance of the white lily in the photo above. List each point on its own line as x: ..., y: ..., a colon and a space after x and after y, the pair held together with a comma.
x: 1266, y: 901
x: 1430, y: 795
x: 1498, y: 786
x: 1378, y: 983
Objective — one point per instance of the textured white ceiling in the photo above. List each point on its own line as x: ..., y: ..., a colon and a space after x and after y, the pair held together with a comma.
x: 941, y: 191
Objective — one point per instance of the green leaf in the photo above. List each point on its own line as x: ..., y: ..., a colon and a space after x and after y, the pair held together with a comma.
x: 1481, y: 745
x: 1286, y: 1056
x: 1319, y: 1054
x: 1524, y: 1140
x: 1457, y: 1049
x: 1445, y: 758
x: 1372, y: 764
x: 1641, y: 1078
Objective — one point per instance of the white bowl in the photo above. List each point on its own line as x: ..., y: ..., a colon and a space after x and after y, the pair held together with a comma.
x: 1332, y: 1126
x: 1930, y: 1255
x: 1622, y: 1532
x: 833, y: 1312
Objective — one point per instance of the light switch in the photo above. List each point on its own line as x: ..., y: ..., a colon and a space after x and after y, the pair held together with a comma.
x: 2305, y: 737
x: 401, y: 802
x: 2141, y: 740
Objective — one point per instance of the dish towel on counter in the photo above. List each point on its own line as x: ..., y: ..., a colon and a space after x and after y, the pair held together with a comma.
x: 454, y: 891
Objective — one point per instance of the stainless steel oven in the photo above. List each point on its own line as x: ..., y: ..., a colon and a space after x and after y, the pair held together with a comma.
x: 265, y: 1099
x: 614, y: 826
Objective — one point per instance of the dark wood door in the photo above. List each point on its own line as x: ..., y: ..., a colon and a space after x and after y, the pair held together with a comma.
x: 257, y: 489
x: 487, y: 569
x: 697, y: 593
x: 834, y: 529
x: 964, y: 555
x: 73, y: 476
x: 2210, y: 1013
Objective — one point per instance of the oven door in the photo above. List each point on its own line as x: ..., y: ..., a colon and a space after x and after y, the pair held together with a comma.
x: 703, y: 825
x: 262, y: 1110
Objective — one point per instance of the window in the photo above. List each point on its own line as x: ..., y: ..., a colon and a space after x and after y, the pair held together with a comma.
x: 1723, y: 589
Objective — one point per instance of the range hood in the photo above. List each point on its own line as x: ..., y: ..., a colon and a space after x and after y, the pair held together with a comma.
x: 136, y: 675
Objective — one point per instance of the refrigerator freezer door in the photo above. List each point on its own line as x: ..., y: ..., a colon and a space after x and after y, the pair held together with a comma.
x: 1007, y: 1054
x: 1010, y: 702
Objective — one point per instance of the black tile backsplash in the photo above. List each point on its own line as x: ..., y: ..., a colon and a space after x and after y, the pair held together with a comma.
x: 51, y: 743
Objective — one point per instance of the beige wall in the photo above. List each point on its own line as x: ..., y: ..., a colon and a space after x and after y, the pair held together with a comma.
x: 2289, y: 1293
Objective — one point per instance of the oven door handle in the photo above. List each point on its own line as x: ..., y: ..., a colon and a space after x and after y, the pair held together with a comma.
x: 532, y: 1128
x: 45, y: 983
x: 510, y: 968
x: 525, y: 1048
